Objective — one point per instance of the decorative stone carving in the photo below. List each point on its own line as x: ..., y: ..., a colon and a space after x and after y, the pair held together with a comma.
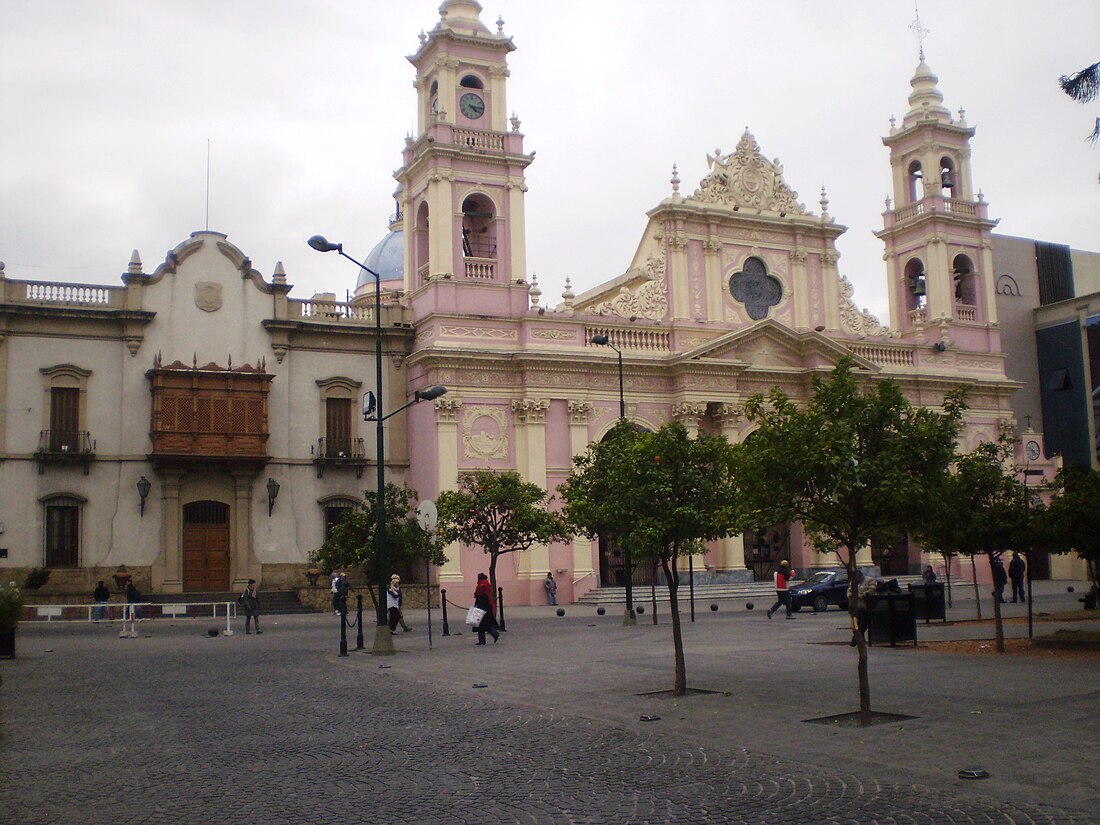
x: 746, y: 179
x: 446, y: 409
x: 798, y: 255
x: 712, y: 246
x: 688, y: 410
x: 579, y: 411
x: 756, y: 289
x: 856, y: 322
x: 650, y: 300
x: 726, y: 416
x: 485, y: 433
x: 555, y: 334
x: 208, y: 296
x: 478, y: 332
x: 530, y: 410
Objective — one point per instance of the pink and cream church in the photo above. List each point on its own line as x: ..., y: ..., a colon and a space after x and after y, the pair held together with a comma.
x: 201, y: 425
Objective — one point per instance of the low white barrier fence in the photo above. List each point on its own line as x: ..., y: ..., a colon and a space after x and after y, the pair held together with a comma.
x: 126, y: 612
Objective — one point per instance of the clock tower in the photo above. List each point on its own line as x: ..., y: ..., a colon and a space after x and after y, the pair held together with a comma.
x: 462, y: 179
x: 937, y: 233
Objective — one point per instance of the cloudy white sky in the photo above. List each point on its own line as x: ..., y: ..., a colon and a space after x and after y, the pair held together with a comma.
x: 108, y: 106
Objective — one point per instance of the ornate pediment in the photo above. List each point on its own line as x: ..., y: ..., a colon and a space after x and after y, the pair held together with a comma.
x: 747, y: 180
x: 648, y: 300
x: 769, y: 344
x: 859, y: 323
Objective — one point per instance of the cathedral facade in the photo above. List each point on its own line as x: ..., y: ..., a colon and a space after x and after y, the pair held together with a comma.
x: 201, y: 427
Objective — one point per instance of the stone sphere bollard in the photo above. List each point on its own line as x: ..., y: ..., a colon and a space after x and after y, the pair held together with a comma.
x: 561, y: 611
x: 640, y: 609
x: 212, y: 633
x: 600, y: 611
x: 749, y: 606
x: 714, y: 608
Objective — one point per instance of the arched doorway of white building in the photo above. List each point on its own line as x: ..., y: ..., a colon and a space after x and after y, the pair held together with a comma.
x: 205, y: 547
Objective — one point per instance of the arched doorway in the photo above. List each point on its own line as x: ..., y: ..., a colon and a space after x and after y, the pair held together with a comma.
x: 205, y: 547
x: 892, y: 561
x: 765, y: 548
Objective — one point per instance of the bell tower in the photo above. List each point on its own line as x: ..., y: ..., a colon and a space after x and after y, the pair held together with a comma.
x: 936, y: 232
x: 462, y: 181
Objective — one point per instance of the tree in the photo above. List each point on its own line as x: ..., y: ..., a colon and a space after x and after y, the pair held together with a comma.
x: 981, y: 508
x: 853, y: 466
x: 1072, y: 519
x: 1083, y: 87
x: 500, y: 512
x: 351, y: 544
x: 663, y: 492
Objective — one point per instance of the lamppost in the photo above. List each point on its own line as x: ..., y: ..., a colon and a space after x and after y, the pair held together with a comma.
x: 383, y: 639
x: 629, y: 618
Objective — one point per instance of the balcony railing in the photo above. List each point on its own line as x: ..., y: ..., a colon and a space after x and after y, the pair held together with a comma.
x: 966, y: 312
x: 477, y: 139
x: 339, y: 452
x: 645, y: 339
x: 63, y: 447
x: 343, y: 312
x: 42, y: 293
x: 480, y: 269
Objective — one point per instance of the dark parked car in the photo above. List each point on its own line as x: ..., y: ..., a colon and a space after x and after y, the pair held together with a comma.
x: 821, y: 590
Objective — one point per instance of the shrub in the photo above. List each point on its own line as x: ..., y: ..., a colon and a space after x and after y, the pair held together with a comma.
x: 11, y: 606
x: 36, y: 578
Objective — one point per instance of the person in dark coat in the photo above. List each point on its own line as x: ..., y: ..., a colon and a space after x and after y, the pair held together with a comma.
x: 250, y: 601
x: 1000, y: 579
x: 132, y: 598
x: 1016, y: 571
x: 101, y: 596
x: 483, y: 598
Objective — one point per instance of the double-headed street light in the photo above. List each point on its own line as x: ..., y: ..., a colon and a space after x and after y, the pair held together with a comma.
x: 629, y: 618
x: 383, y: 639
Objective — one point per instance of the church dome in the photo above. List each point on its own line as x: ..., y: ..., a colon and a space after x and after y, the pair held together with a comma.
x: 387, y: 259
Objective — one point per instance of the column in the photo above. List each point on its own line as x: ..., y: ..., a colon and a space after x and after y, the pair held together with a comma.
x: 242, y: 561
x: 530, y: 416
x: 584, y: 552
x: 446, y: 451
x: 731, y: 550
x: 712, y: 268
x: 167, y: 572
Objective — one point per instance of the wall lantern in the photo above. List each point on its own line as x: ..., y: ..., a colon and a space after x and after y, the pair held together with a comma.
x: 143, y: 488
x: 272, y: 494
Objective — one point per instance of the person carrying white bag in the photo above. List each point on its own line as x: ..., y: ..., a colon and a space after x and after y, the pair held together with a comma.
x: 486, y: 622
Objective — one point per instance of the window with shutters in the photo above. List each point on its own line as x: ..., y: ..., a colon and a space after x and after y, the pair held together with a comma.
x: 336, y: 509
x: 64, y: 437
x: 339, y: 444
x: 61, y: 515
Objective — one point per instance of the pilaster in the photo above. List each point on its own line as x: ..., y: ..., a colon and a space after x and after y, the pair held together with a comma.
x: 530, y: 417
x: 446, y: 450
x: 243, y: 562
x: 167, y: 573
x: 712, y: 267
x: 583, y: 549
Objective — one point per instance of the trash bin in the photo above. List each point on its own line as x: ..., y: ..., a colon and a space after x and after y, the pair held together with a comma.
x: 931, y: 601
x: 892, y: 617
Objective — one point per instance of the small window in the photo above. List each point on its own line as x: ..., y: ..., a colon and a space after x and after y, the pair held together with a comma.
x: 917, y: 282
x: 947, y: 177
x: 965, y: 284
x: 336, y: 510
x: 471, y: 81
x: 916, y: 182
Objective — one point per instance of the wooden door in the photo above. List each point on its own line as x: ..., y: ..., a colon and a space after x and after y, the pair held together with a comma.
x: 206, y: 547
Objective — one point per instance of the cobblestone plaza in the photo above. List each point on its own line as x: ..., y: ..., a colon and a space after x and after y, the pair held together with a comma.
x: 179, y: 727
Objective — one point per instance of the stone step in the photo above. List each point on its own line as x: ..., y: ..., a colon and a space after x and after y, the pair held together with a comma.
x: 603, y: 596
x: 273, y: 602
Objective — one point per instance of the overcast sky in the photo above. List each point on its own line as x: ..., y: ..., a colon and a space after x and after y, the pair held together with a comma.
x: 108, y: 106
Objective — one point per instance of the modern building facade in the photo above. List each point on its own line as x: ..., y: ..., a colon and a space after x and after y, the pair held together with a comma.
x: 238, y: 405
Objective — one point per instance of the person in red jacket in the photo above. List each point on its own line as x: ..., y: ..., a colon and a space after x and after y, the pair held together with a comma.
x: 782, y: 578
x: 483, y: 598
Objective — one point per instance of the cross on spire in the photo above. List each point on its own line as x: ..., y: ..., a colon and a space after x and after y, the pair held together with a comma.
x: 919, y: 30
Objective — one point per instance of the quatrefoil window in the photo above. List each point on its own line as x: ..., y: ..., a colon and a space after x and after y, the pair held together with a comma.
x: 756, y: 289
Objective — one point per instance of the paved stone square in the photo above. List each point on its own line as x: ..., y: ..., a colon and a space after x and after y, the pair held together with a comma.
x: 177, y: 727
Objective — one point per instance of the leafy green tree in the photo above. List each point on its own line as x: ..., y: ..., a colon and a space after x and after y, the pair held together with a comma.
x: 981, y: 508
x: 853, y: 465
x: 1072, y: 519
x: 500, y: 512
x: 351, y: 544
x: 663, y: 492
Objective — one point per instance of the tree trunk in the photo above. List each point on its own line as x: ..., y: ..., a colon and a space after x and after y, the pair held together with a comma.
x: 861, y: 645
x: 947, y: 573
x: 977, y: 595
x: 493, y: 556
x: 680, y: 687
x: 998, y: 625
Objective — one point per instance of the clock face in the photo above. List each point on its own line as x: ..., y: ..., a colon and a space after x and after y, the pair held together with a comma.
x: 471, y: 106
x: 1032, y: 450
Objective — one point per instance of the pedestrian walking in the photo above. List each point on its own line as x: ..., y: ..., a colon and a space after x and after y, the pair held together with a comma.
x: 394, y: 600
x: 340, y: 594
x: 1016, y: 571
x: 101, y: 596
x: 335, y: 593
x: 1000, y: 579
x: 551, y: 589
x: 864, y: 586
x: 133, y: 596
x: 782, y: 578
x: 483, y: 598
x: 250, y: 601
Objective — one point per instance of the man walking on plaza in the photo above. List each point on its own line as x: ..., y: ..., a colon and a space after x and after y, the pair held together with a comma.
x: 551, y: 589
x: 782, y: 578
x: 1016, y: 570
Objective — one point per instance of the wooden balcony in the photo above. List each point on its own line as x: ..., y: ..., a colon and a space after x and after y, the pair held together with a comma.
x: 339, y: 452
x: 65, y: 447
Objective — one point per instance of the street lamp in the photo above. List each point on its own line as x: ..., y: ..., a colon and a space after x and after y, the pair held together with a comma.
x: 383, y: 639
x: 629, y: 618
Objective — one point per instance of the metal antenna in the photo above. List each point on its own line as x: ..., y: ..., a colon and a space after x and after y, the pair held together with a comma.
x: 208, y: 184
x: 919, y: 30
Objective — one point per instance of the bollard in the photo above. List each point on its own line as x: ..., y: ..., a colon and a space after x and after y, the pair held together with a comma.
x: 359, y: 621
x: 343, y: 627
x: 500, y: 606
x: 443, y: 603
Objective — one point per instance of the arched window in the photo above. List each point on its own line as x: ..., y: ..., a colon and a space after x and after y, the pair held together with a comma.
x: 471, y: 81
x: 916, y: 182
x: 479, y: 238
x: 61, y: 529
x: 916, y: 281
x: 966, y: 288
x: 420, y: 241
x: 947, y: 177
x: 336, y: 509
